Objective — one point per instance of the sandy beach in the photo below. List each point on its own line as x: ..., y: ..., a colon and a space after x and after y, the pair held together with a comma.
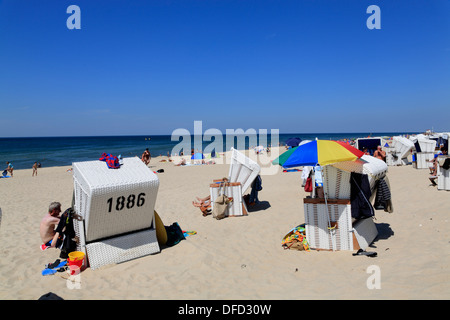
x: 237, y: 257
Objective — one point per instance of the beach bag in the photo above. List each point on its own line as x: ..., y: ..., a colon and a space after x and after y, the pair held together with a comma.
x: 308, y: 185
x: 221, y: 203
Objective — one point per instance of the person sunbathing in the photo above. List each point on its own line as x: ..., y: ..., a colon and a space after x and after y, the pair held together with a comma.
x: 182, y: 163
x: 202, y: 201
x: 204, y: 204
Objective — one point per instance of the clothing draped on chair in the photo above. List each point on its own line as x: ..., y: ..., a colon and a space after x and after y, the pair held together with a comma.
x: 359, y: 196
x: 383, y: 196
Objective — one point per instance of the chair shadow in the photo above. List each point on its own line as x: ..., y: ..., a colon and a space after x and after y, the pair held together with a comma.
x: 384, y: 232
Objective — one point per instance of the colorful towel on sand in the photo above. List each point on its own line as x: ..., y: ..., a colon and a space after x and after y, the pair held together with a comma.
x: 296, y: 238
x: 111, y: 161
x: 189, y: 233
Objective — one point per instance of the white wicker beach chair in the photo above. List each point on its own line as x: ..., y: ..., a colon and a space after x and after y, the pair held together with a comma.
x: 424, y: 151
x: 422, y: 160
x: 339, y: 231
x: 397, y: 154
x: 243, y: 171
x: 117, y: 207
x: 332, y: 232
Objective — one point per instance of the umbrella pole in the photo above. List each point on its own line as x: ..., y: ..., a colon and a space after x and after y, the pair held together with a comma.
x: 330, y: 230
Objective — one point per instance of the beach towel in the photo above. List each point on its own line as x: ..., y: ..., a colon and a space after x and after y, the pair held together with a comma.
x: 189, y: 233
x: 308, y: 185
x: 174, y: 234
x: 111, y: 161
x: 296, y: 239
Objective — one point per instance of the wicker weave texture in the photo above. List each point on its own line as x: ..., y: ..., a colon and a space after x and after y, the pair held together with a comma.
x: 402, y: 146
x: 114, y: 201
x: 337, y: 184
x: 443, y: 179
x: 427, y: 145
x: 319, y: 235
x: 422, y: 160
x: 122, y: 248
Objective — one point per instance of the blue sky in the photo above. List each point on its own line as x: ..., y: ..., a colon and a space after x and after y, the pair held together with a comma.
x: 150, y: 67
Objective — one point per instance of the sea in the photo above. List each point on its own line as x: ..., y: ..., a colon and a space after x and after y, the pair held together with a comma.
x: 63, y: 151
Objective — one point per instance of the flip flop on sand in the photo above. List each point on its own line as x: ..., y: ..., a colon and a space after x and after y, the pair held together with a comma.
x: 361, y: 252
x: 45, y: 246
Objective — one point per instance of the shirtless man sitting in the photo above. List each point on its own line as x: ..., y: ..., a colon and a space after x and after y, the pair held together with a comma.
x: 380, y: 154
x: 48, y: 225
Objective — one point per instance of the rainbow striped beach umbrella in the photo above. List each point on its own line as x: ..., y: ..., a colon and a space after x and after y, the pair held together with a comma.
x: 318, y: 152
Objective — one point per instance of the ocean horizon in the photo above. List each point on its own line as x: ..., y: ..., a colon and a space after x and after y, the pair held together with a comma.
x: 53, y: 151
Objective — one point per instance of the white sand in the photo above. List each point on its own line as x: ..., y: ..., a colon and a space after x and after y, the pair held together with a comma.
x: 239, y: 257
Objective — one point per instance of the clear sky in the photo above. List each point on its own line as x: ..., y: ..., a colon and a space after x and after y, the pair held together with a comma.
x: 149, y: 67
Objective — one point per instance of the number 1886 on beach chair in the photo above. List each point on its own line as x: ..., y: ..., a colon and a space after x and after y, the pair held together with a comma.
x: 117, y: 210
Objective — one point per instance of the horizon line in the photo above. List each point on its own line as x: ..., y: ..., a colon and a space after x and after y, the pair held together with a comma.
x: 160, y: 135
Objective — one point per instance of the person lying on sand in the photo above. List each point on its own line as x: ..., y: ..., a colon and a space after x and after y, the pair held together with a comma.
x: 204, y: 204
x: 182, y: 163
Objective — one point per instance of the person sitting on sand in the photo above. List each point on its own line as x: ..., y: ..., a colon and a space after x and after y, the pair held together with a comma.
x: 146, y: 156
x: 9, y: 168
x: 380, y: 154
x: 48, y: 224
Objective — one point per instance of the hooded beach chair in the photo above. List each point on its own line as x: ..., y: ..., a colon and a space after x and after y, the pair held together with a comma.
x: 329, y: 222
x: 243, y: 171
x: 117, y: 210
x: 397, y: 154
x: 424, y: 151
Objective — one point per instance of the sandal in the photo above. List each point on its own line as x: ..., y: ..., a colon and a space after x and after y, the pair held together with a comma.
x: 361, y: 252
